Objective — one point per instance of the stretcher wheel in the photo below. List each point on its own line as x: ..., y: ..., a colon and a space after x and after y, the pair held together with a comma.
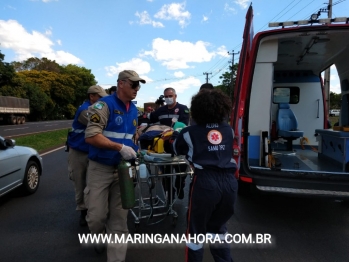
x: 174, y: 221
x: 137, y: 226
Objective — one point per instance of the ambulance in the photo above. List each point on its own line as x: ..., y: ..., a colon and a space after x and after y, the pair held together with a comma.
x: 280, y: 117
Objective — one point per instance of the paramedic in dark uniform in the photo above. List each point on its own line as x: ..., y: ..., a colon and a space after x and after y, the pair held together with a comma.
x: 112, y: 124
x: 208, y: 148
x: 164, y: 116
x: 78, y: 150
x: 172, y: 109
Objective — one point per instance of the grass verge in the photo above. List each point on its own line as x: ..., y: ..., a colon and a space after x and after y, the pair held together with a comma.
x: 43, y: 141
x: 333, y: 119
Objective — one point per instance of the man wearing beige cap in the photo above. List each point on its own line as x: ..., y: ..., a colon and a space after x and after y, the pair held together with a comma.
x: 78, y: 150
x: 112, y: 124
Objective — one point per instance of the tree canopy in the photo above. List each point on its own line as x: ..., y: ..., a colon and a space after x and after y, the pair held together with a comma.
x: 54, y: 91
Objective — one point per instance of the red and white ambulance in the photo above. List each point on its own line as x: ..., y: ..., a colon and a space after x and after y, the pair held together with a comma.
x: 282, y: 141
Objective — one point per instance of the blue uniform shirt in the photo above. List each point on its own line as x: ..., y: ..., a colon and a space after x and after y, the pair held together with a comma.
x: 76, y: 137
x: 120, y: 128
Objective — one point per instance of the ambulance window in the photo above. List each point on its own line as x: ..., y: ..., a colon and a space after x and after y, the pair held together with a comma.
x: 288, y: 95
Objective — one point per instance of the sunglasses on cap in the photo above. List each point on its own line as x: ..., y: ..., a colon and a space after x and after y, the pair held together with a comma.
x: 134, y: 85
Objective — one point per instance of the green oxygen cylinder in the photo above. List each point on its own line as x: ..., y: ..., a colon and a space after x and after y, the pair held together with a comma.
x: 127, y: 189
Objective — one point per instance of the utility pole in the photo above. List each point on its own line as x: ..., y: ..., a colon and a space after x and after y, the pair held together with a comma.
x: 207, y: 76
x: 328, y: 70
x: 232, y: 72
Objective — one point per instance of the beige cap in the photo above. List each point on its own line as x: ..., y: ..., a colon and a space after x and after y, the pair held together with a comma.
x: 97, y: 90
x: 130, y: 74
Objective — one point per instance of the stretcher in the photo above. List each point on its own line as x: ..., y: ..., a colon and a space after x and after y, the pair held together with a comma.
x: 154, y: 198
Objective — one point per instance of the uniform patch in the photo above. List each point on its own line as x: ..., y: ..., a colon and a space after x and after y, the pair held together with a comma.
x: 186, y: 111
x: 118, y: 120
x: 98, y: 105
x: 134, y: 122
x: 176, y: 110
x: 214, y: 137
x: 118, y: 112
x: 95, y: 118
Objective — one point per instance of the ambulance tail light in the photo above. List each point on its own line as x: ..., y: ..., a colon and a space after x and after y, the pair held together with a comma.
x: 246, y: 179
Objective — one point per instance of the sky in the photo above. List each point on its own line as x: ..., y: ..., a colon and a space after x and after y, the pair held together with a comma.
x: 168, y: 43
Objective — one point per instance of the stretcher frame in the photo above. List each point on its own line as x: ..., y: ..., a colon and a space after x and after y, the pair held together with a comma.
x: 160, y: 202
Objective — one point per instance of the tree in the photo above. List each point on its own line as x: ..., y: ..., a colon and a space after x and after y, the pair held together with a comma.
x: 335, y: 100
x: 35, y: 63
x: 7, y: 72
x: 39, y: 101
x: 54, y: 91
x: 59, y: 88
x: 228, y: 81
x: 83, y: 79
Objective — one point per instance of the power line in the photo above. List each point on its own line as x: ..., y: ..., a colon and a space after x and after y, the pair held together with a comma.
x: 300, y: 10
x: 276, y: 16
x: 223, y: 61
x: 218, y: 71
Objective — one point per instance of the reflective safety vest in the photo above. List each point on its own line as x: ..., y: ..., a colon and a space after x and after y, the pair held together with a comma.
x: 76, y: 137
x: 121, y: 127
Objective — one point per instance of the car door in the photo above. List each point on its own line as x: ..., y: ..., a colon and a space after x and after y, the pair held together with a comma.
x: 240, y: 91
x: 10, y: 169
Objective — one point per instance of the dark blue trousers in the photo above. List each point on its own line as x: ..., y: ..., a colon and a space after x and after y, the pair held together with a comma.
x: 211, y: 204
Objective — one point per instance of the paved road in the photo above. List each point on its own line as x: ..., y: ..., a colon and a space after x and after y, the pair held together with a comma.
x: 33, y: 127
x: 44, y: 226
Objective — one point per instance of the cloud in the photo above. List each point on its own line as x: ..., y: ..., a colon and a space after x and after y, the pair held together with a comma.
x: 59, y: 42
x: 178, y: 74
x: 144, y: 19
x: 25, y: 45
x: 182, y: 85
x: 48, y: 32
x: 175, y: 11
x: 230, y: 9
x: 63, y: 57
x: 140, y: 66
x: 204, y: 18
x: 10, y: 7
x: 177, y: 54
x: 242, y: 3
x: 222, y: 51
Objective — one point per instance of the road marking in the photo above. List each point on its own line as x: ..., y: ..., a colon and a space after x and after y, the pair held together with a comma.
x: 52, y: 151
x: 15, y: 128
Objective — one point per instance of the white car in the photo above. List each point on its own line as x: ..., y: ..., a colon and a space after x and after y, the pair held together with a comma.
x: 20, y: 166
x: 334, y: 112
